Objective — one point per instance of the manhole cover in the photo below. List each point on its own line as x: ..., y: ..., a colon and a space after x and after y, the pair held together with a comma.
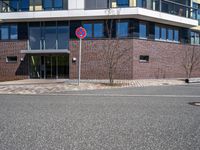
x: 195, y: 103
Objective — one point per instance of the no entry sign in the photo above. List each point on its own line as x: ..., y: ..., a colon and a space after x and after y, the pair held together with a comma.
x: 81, y: 33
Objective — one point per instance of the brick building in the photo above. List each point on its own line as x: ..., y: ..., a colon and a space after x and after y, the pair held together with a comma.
x: 37, y: 37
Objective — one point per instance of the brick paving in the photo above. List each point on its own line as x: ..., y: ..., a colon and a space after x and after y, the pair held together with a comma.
x: 35, y: 86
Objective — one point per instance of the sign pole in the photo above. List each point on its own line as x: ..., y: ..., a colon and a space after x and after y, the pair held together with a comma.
x: 81, y: 34
x: 79, y: 63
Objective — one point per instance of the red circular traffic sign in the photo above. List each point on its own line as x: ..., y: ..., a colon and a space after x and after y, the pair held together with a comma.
x: 81, y: 33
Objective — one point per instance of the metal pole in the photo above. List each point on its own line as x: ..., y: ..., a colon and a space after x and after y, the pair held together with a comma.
x: 79, y: 63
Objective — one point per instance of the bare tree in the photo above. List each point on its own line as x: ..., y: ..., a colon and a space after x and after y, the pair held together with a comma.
x: 114, y: 52
x: 191, y: 60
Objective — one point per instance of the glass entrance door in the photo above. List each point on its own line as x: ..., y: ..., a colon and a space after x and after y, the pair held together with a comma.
x: 49, y: 67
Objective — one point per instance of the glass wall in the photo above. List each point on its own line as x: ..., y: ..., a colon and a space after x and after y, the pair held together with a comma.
x: 49, y: 35
x: 35, y: 39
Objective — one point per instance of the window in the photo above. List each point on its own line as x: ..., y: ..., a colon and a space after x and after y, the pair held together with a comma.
x: 4, y: 32
x: 157, y: 32
x: 63, y: 35
x: 9, y: 32
x: 14, y: 5
x: 50, y: 35
x: 194, y: 38
x: 141, y: 3
x: 13, y: 32
x: 98, y: 30
x: 11, y: 59
x: 35, y: 36
x: 24, y: 5
x: 166, y: 33
x: 122, y: 29
x: 170, y: 34
x: 96, y: 4
x: 143, y: 30
x: 52, y: 4
x: 94, y: 29
x: 144, y: 58
x: 58, y: 4
x: 47, y: 4
x: 163, y: 33
x: 88, y: 28
x: 122, y: 3
x: 176, y: 35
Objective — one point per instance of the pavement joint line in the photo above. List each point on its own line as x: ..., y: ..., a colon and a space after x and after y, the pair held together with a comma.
x: 123, y: 95
x: 105, y: 95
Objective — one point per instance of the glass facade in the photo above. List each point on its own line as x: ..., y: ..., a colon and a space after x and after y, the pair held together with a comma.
x: 49, y: 35
x: 54, y: 35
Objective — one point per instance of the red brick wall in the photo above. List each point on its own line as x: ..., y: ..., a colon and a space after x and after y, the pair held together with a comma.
x: 165, y: 60
x: 13, y: 71
x: 93, y: 65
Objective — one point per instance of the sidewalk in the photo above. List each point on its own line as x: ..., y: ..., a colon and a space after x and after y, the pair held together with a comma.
x: 40, y: 86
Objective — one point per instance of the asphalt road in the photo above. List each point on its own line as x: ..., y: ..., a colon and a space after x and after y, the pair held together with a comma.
x: 151, y: 118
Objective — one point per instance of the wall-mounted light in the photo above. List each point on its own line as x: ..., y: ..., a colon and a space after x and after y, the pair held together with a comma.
x: 21, y: 59
x: 74, y: 60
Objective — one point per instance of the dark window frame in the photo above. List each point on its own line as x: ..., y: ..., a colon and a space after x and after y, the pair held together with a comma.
x: 144, y: 58
x: 9, y: 59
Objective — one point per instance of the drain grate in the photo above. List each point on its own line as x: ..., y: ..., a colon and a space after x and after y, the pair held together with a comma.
x: 195, y: 103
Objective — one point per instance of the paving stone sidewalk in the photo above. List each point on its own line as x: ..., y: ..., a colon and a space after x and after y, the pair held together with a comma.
x: 37, y: 86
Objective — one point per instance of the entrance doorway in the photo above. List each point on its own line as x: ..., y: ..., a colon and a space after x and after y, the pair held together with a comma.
x: 49, y: 67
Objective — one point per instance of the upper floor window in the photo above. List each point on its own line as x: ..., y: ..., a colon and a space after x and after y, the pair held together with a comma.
x: 141, y: 3
x: 94, y: 29
x: 196, y: 14
x: 122, y: 3
x: 122, y: 29
x: 52, y: 4
x: 9, y: 32
x: 143, y: 30
x: 96, y: 4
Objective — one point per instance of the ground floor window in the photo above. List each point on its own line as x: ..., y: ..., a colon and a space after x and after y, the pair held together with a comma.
x: 49, y: 67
